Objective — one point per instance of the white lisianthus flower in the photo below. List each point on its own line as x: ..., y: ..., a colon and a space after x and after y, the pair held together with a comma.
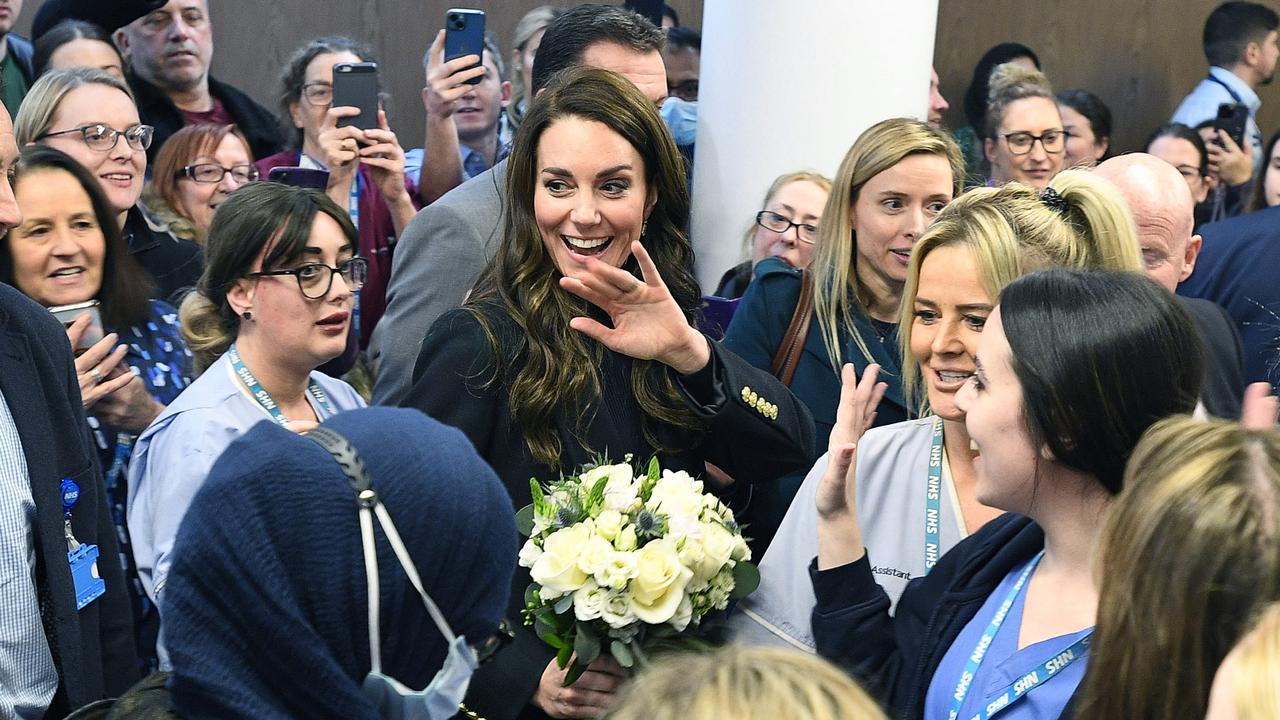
x: 659, y: 584
x: 691, y: 554
x: 626, y: 540
x: 741, y: 551
x: 618, y: 570
x: 529, y: 553
x: 556, y: 569
x: 681, y: 523
x: 594, y: 554
x: 588, y: 601
x: 684, y: 613
x: 590, y: 477
x: 609, y: 524
x: 617, y: 611
x: 679, y: 497
x: 620, y: 491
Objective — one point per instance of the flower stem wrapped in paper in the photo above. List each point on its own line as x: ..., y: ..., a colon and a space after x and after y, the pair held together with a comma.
x: 622, y: 563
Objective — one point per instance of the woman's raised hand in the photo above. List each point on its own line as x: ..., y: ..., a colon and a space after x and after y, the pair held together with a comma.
x: 1260, y: 407
x: 95, y: 365
x: 839, y: 537
x: 648, y: 324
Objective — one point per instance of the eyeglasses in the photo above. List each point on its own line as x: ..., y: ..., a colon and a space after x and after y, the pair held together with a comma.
x: 102, y: 137
x: 687, y: 90
x: 502, y: 637
x: 315, y: 279
x: 213, y: 173
x: 1020, y: 143
x: 319, y: 94
x: 781, y: 223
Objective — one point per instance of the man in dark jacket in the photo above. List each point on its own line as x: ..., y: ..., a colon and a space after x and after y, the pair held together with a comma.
x: 67, y: 625
x: 15, y: 57
x: 169, y: 50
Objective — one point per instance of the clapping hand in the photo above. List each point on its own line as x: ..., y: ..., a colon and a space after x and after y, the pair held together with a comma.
x: 648, y: 324
x: 1260, y: 407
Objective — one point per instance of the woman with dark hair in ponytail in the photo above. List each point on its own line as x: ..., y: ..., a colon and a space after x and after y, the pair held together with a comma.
x: 1072, y: 368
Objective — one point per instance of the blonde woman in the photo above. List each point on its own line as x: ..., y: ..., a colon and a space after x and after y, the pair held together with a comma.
x: 1245, y: 687
x: 785, y: 228
x: 896, y: 178
x: 1023, y: 138
x: 745, y: 684
x: 526, y: 39
x: 1189, y: 553
x: 911, y: 470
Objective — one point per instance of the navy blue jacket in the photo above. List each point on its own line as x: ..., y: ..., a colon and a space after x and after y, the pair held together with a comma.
x: 895, y: 657
x: 1238, y: 269
x: 755, y: 334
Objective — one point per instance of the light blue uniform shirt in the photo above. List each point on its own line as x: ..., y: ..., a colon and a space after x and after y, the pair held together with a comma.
x: 1202, y: 104
x: 173, y: 456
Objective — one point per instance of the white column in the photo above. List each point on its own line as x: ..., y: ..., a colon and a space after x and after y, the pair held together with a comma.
x: 788, y: 85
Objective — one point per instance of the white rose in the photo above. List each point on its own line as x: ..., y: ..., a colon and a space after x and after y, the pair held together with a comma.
x: 741, y: 551
x: 588, y: 601
x: 594, y: 554
x: 626, y: 539
x: 718, y: 545
x: 618, y: 570
x: 529, y: 553
x: 609, y: 524
x: 659, y: 584
x: 617, y: 611
x: 556, y: 569
x: 684, y: 613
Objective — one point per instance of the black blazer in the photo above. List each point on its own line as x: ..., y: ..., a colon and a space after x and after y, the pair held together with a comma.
x: 1223, y: 389
x: 449, y: 385
x: 92, y: 648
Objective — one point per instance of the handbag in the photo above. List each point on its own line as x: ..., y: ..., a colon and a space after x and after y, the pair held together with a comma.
x: 787, y: 357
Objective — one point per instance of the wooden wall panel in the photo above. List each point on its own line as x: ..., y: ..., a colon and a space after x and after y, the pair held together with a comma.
x: 1140, y: 56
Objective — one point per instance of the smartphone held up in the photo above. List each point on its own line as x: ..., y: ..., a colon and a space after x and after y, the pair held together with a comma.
x: 464, y: 35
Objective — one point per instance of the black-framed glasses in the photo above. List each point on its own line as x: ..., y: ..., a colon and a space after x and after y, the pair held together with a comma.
x: 489, y: 647
x: 1020, y: 143
x: 315, y: 279
x: 103, y: 137
x: 770, y: 220
x: 319, y: 94
x: 213, y: 173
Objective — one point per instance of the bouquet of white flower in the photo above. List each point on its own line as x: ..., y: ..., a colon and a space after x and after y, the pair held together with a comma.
x: 621, y: 562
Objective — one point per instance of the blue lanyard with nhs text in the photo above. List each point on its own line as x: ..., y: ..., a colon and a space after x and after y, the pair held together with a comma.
x: 264, y: 399
x: 1023, y: 684
x: 933, y: 500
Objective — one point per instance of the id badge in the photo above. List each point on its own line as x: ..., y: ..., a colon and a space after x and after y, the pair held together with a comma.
x: 84, y: 573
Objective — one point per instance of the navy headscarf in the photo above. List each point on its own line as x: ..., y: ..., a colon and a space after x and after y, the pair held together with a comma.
x: 265, y: 608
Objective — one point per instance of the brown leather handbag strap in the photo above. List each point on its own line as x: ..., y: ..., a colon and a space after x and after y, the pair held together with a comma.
x: 788, y: 355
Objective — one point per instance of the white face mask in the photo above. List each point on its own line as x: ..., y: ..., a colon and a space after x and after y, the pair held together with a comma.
x: 441, y: 698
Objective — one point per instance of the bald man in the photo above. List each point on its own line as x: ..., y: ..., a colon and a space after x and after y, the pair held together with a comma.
x: 1164, y: 213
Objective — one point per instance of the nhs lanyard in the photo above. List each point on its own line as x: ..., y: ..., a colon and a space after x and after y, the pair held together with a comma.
x: 933, y: 500
x: 1023, y: 684
x: 264, y: 400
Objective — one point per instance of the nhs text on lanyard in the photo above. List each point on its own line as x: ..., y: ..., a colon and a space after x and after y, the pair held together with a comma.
x: 933, y: 500
x: 264, y: 399
x: 1027, y: 682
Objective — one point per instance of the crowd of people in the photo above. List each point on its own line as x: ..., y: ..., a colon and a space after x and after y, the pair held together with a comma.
x: 994, y: 406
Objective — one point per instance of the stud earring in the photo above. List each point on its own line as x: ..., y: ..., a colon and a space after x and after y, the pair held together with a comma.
x: 247, y: 315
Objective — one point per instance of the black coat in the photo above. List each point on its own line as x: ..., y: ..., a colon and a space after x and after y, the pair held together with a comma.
x: 92, y: 648
x: 449, y: 385
x: 1223, y: 389
x: 256, y: 122
x: 895, y: 657
x: 174, y: 264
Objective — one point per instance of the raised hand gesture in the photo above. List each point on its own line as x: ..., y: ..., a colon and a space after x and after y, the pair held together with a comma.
x: 839, y: 536
x: 648, y: 324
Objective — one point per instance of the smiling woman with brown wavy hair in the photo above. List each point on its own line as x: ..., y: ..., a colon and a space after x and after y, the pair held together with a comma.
x: 577, y: 343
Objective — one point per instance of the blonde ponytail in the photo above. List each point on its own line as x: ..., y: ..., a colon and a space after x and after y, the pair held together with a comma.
x: 205, y: 329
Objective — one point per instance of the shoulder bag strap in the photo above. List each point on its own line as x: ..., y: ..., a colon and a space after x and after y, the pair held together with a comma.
x: 788, y: 355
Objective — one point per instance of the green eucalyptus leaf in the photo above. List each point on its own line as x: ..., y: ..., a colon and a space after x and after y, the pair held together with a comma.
x: 622, y: 653
x: 586, y: 646
x: 566, y: 601
x: 524, y: 521
x: 746, y: 578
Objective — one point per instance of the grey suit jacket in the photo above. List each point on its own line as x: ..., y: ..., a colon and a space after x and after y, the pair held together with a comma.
x: 437, y: 260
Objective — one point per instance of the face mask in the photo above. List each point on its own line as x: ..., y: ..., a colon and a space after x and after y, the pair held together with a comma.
x: 681, y: 116
x: 441, y: 698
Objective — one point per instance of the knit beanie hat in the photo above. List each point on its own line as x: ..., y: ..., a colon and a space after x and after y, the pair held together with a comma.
x: 265, y: 610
